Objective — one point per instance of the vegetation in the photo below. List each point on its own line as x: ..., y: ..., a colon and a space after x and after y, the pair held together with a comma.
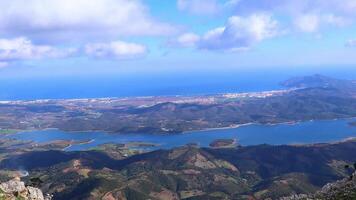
x: 223, y: 143
x: 189, y: 172
x: 2, y: 195
x: 8, y: 131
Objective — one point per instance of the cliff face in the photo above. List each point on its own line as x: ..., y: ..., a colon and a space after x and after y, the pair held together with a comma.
x: 16, y: 190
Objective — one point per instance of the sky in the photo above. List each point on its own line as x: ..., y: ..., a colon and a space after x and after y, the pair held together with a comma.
x: 51, y: 38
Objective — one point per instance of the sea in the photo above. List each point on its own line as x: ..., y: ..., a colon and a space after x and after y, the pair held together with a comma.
x: 179, y: 83
x: 159, y: 84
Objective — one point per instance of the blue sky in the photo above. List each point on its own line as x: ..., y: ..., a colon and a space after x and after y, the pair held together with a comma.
x: 66, y: 37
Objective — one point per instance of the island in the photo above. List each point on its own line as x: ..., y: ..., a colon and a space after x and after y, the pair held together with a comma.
x: 224, y: 143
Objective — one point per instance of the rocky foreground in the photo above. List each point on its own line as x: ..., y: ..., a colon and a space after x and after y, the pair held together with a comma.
x: 341, y: 190
x: 16, y: 190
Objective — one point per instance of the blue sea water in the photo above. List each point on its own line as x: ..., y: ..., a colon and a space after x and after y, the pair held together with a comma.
x: 299, y: 133
x: 153, y: 84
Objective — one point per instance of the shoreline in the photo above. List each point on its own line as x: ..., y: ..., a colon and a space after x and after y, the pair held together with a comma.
x: 282, y: 89
x: 74, y: 143
x: 220, y: 128
x: 266, y: 124
x: 235, y: 126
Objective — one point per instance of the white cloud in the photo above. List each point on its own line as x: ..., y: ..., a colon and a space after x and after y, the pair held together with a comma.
x: 199, y: 7
x: 3, y: 64
x: 116, y: 50
x: 347, y: 7
x: 305, y: 15
x: 308, y: 23
x: 23, y: 49
x: 78, y: 18
x: 240, y: 33
x: 336, y: 20
x: 351, y: 43
x: 206, y: 7
x: 312, y: 23
x: 185, y: 40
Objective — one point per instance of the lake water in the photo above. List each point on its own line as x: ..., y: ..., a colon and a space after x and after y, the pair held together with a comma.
x: 299, y: 133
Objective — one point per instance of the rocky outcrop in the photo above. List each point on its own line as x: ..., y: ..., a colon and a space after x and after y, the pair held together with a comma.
x: 341, y: 190
x: 15, y: 189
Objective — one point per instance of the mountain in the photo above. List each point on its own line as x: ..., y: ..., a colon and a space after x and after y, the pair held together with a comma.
x: 318, y: 80
x: 254, y: 172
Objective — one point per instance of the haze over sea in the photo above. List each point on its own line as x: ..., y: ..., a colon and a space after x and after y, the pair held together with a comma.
x: 151, y: 84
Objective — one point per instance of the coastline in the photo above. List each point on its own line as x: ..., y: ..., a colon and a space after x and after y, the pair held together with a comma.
x: 281, y: 90
x: 235, y: 126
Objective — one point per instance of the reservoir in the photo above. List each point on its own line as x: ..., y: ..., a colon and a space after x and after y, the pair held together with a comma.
x: 253, y: 134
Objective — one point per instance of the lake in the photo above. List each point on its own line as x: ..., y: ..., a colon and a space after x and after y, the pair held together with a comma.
x: 254, y: 134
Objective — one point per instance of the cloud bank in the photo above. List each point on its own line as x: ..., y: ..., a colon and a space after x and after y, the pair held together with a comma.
x: 68, y: 19
x: 239, y: 33
x: 23, y: 49
x: 306, y: 15
x: 303, y: 15
x: 19, y: 49
x: 43, y: 29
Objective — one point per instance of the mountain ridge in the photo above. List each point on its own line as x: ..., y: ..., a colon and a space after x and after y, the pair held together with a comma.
x: 252, y: 172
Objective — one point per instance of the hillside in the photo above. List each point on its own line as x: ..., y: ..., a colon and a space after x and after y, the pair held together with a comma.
x: 344, y: 189
x: 318, y: 80
x: 255, y: 172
